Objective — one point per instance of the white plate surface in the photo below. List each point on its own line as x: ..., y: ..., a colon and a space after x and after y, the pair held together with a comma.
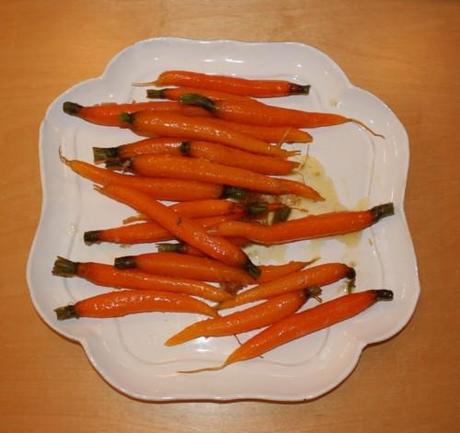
x: 129, y: 352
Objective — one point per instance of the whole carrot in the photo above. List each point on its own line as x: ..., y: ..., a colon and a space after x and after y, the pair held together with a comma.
x: 187, y: 266
x: 309, y: 227
x: 182, y: 248
x: 109, y: 114
x: 320, y: 275
x: 182, y: 228
x: 109, y: 276
x: 213, y: 152
x: 160, y: 189
x: 175, y: 93
x: 153, y: 124
x: 267, y: 115
x: 243, y: 321
x: 239, y: 86
x: 304, y: 323
x: 207, y: 171
x: 124, y: 302
x: 148, y: 232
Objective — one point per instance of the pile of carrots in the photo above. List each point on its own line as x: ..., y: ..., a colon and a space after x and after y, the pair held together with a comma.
x: 216, y: 152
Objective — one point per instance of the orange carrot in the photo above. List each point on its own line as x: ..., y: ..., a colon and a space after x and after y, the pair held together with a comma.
x: 206, y: 171
x: 309, y: 227
x: 243, y: 321
x: 109, y: 276
x: 213, y: 152
x: 109, y: 114
x: 123, y: 302
x: 181, y: 248
x: 238, y: 86
x: 304, y: 323
x: 182, y: 228
x: 175, y: 93
x: 320, y: 275
x: 160, y: 189
x: 273, y: 272
x: 195, y: 268
x: 267, y: 115
x: 148, y: 232
x: 153, y: 124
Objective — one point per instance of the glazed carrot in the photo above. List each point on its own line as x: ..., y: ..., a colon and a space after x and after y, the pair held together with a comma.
x: 195, y: 268
x: 148, y: 232
x: 213, y: 152
x: 238, y: 86
x: 304, y: 323
x: 243, y: 321
x: 309, y: 227
x: 124, y: 302
x: 273, y: 272
x: 181, y: 248
x: 175, y: 93
x: 271, y: 134
x: 182, y: 228
x: 320, y: 275
x: 109, y: 114
x: 153, y: 124
x: 109, y: 276
x: 160, y: 189
x: 207, y: 171
x: 267, y: 115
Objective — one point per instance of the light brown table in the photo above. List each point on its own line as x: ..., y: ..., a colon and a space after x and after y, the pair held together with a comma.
x: 405, y: 52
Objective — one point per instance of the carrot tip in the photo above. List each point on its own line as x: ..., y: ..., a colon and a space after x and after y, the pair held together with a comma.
x: 67, y: 312
x: 200, y: 370
x: 384, y: 295
x: 126, y: 262
x: 64, y: 267
x: 382, y: 211
x: 363, y: 125
x: 139, y: 84
x: 71, y: 108
x: 92, y: 237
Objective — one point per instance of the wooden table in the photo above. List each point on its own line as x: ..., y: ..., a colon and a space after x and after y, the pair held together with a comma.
x: 405, y: 52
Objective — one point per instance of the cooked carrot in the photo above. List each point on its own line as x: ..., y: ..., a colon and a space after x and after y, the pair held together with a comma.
x: 207, y: 171
x: 109, y: 276
x: 273, y: 272
x: 109, y: 114
x: 267, y: 115
x: 182, y: 228
x: 320, y: 275
x: 304, y: 323
x: 239, y: 86
x: 175, y: 93
x: 271, y: 134
x: 195, y: 268
x: 124, y: 302
x: 213, y: 152
x: 153, y: 124
x: 243, y: 321
x: 181, y: 248
x: 160, y: 189
x: 148, y: 232
x: 309, y: 227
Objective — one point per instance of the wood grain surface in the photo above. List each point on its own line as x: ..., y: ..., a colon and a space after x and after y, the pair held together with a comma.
x: 405, y: 52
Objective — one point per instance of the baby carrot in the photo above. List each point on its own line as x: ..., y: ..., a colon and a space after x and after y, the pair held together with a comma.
x: 273, y: 272
x: 252, y: 318
x: 309, y: 227
x: 153, y: 124
x: 187, y: 266
x: 181, y: 248
x: 109, y: 276
x: 175, y: 93
x: 123, y: 302
x: 304, y: 323
x: 182, y: 228
x: 147, y: 232
x: 207, y: 171
x: 160, y: 189
x: 320, y: 275
x: 238, y: 86
x: 109, y: 114
x: 213, y: 152
x: 267, y: 115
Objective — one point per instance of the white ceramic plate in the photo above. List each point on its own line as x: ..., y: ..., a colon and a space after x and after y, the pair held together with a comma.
x: 129, y: 352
